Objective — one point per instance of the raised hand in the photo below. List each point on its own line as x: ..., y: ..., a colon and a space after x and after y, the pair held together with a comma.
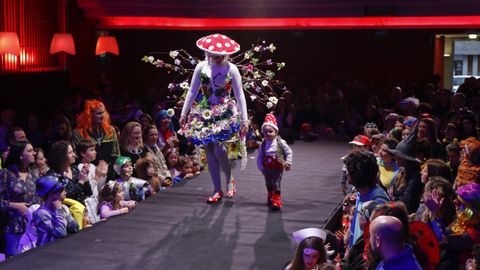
x: 433, y: 200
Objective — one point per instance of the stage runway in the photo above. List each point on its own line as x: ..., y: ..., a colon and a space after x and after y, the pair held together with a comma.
x: 177, y: 230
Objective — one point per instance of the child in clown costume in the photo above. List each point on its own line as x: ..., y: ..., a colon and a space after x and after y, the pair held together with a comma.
x: 210, y: 116
x: 274, y: 156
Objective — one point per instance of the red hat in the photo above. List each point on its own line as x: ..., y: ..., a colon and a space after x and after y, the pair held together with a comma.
x: 270, y: 120
x: 361, y: 140
x: 218, y: 44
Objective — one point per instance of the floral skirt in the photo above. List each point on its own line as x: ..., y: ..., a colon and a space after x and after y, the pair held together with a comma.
x: 212, y: 122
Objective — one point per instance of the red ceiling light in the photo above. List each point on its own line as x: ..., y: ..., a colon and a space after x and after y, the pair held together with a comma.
x: 106, y: 44
x: 62, y: 43
x: 9, y: 43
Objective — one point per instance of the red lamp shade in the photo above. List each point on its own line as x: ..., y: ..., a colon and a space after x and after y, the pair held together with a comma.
x: 62, y: 43
x: 9, y: 43
x: 107, y: 44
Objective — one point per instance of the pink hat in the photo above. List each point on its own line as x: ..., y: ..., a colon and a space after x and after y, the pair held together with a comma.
x: 218, y: 44
x: 270, y: 120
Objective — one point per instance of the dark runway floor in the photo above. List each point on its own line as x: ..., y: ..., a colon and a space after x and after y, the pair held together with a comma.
x: 177, y: 230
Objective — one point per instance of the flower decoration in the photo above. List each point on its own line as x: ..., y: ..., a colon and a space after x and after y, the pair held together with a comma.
x: 207, y: 114
x: 258, y: 80
x: 173, y: 54
x: 273, y: 100
x: 158, y: 63
x: 270, y: 74
x: 269, y: 105
x: 272, y: 48
x: 170, y: 112
x: 184, y: 85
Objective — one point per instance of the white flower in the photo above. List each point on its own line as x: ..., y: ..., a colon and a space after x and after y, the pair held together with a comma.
x: 272, y: 47
x: 170, y: 112
x: 253, y: 97
x: 199, y: 125
x: 224, y: 125
x: 246, y: 86
x: 247, y: 55
x: 173, y: 54
x: 177, y: 62
x: 205, y: 131
x: 171, y: 86
x: 257, y: 48
x: 265, y: 83
x: 150, y: 59
x: 207, y: 114
x: 192, y: 61
x: 216, y: 128
x: 269, y: 105
x: 252, y: 84
x: 280, y: 65
x: 145, y: 58
x: 274, y: 100
x: 269, y: 62
x: 184, y: 85
x: 256, y: 75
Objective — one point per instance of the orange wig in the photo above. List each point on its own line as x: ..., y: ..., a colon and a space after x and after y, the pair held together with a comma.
x: 84, y: 119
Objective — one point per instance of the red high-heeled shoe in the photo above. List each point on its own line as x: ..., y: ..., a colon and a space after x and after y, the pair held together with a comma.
x: 276, y: 201
x: 231, y: 189
x: 215, y: 197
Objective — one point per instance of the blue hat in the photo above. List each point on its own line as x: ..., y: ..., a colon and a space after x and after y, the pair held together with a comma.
x: 50, y: 183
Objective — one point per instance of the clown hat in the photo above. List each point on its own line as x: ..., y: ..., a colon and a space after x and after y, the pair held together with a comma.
x: 300, y: 235
x: 271, y: 121
x: 117, y: 167
x: 218, y: 44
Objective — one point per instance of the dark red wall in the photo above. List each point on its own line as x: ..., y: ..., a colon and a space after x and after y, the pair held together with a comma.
x: 310, y: 55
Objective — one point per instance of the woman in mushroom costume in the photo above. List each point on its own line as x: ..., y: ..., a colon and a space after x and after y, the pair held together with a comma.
x: 210, y: 116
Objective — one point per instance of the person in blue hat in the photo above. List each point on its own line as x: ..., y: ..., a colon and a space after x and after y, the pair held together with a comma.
x: 167, y: 138
x: 53, y: 219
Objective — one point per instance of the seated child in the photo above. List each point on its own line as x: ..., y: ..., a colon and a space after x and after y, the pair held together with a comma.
x: 172, y: 161
x: 112, y: 201
x: 134, y: 188
x: 146, y: 170
x: 53, y: 219
x: 196, y: 167
x: 185, y: 165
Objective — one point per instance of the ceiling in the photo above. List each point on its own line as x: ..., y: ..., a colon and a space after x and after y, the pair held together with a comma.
x: 277, y: 8
x: 113, y: 13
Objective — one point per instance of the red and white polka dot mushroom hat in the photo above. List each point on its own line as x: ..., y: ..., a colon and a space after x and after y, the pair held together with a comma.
x: 218, y: 44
